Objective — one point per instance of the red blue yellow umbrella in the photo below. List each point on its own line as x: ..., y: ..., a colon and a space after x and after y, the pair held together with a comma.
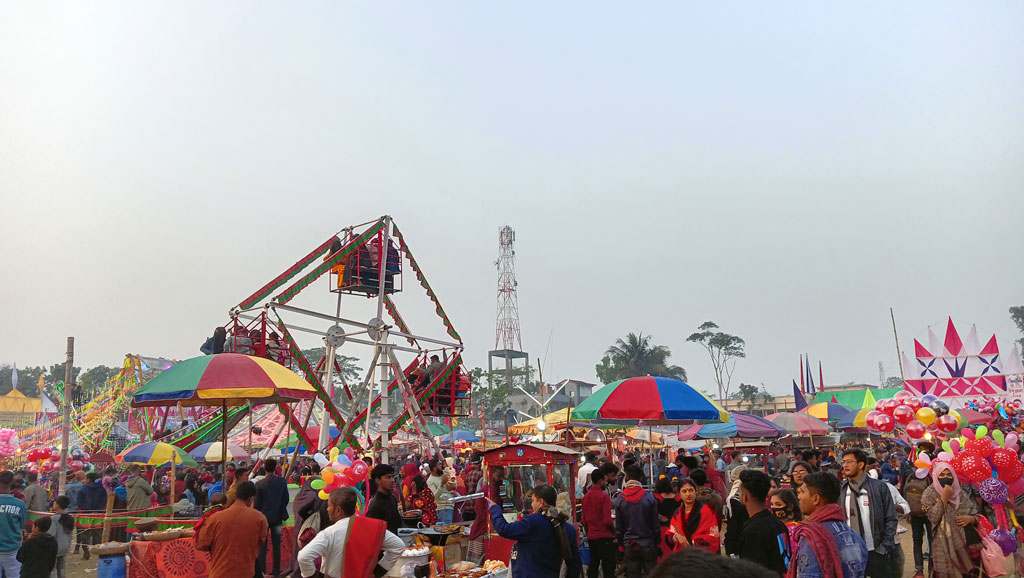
x: 223, y: 379
x: 826, y: 411
x: 154, y: 454
x: 651, y: 399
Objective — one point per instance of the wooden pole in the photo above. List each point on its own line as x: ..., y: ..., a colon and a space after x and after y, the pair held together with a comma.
x: 106, y: 518
x: 899, y: 357
x: 65, y: 429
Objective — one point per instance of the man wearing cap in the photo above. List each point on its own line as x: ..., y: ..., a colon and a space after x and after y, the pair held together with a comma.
x: 384, y: 505
x: 583, y: 480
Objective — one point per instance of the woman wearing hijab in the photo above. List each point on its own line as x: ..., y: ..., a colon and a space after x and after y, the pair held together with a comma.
x: 950, y: 511
x: 735, y: 513
x: 693, y: 523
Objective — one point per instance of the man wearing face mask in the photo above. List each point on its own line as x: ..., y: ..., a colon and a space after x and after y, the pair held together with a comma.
x: 870, y: 512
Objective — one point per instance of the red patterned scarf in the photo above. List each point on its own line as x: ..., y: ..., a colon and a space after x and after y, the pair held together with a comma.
x: 822, y: 544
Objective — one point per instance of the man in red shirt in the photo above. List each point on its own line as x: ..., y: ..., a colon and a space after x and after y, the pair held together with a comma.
x: 597, y: 519
x: 233, y: 536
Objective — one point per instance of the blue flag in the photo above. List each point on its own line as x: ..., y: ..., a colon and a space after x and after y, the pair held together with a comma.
x: 801, y: 402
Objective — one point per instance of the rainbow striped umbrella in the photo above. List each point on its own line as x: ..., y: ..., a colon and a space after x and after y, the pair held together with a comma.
x: 213, y: 452
x: 154, y: 454
x: 799, y: 423
x: 223, y: 379
x: 655, y: 400
x: 854, y: 420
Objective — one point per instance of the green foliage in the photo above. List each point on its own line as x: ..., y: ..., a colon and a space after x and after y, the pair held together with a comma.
x: 1017, y: 314
x: 28, y: 379
x: 350, y: 372
x: 95, y: 378
x: 724, y: 349
x: 636, y: 356
x: 749, y: 393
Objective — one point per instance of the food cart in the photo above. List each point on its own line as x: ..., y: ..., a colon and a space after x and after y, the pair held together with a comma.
x: 527, y: 466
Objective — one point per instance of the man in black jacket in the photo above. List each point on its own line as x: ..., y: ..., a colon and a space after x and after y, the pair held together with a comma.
x: 870, y: 512
x: 764, y: 538
x: 383, y: 505
x: 38, y: 555
x: 272, y: 501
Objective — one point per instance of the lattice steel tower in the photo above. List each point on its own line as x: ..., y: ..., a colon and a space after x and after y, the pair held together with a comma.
x: 507, y: 334
x: 507, y: 364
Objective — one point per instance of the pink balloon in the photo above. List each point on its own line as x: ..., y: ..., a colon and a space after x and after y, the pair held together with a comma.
x: 1016, y: 487
x: 359, y: 470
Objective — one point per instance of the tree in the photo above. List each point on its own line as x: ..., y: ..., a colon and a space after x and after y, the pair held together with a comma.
x: 636, y: 356
x: 724, y: 349
x: 1017, y: 314
x: 350, y: 372
x: 95, y: 378
x: 749, y: 393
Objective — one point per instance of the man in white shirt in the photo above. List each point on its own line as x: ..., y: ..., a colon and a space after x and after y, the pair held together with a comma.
x: 338, y: 556
x: 583, y: 480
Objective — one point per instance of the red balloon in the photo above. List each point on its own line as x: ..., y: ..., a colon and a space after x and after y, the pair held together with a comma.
x: 1003, y: 458
x: 976, y: 469
x: 889, y: 405
x: 914, y: 403
x: 869, y: 418
x: 1011, y: 473
x: 981, y: 447
x: 915, y: 430
x: 946, y: 423
x: 903, y: 414
x: 76, y: 465
x: 885, y: 423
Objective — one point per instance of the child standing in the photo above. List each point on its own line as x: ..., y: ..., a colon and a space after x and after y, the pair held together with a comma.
x: 61, y: 528
x: 38, y: 555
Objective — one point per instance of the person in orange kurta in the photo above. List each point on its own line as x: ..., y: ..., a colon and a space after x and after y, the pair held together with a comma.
x: 693, y: 523
x: 233, y: 536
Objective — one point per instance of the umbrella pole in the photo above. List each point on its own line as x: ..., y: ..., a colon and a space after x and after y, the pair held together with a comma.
x: 171, y: 484
x: 224, y: 437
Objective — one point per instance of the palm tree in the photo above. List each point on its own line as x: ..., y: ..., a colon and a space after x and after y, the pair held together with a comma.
x: 636, y: 356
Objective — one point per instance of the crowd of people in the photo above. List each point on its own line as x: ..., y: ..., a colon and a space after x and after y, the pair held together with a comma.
x: 807, y: 514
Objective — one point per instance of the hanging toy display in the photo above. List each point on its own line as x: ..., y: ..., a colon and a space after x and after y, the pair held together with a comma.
x: 339, y: 470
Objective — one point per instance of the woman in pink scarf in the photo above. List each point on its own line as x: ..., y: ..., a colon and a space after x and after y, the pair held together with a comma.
x: 950, y: 510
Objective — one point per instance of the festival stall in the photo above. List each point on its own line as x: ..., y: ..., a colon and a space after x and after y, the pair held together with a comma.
x: 527, y: 466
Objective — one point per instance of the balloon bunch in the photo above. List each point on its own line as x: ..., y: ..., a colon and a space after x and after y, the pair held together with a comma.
x: 338, y: 471
x: 990, y: 462
x: 917, y: 416
x: 8, y: 442
x: 48, y: 460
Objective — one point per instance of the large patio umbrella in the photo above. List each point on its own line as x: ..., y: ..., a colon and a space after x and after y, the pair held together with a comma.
x: 154, y: 454
x: 223, y: 379
x: 655, y: 400
x: 652, y: 401
x: 826, y: 411
x: 855, y: 420
x: 741, y: 425
x: 213, y: 452
x: 799, y: 423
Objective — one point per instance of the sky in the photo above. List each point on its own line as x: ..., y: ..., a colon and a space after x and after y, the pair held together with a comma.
x: 788, y: 170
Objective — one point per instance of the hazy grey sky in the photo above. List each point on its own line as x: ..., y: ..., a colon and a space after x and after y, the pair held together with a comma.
x: 789, y: 170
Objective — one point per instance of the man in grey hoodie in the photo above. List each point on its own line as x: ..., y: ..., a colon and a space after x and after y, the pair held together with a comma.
x: 138, y: 490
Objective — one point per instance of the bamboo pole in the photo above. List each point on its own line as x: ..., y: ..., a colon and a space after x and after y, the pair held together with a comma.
x: 899, y: 357
x: 106, y: 518
x: 224, y: 437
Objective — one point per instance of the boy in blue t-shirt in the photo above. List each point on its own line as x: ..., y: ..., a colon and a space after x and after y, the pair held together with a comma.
x: 13, y: 515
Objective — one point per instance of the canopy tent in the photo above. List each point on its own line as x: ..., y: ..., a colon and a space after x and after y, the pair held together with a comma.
x: 857, y: 398
x: 15, y: 401
x: 742, y: 425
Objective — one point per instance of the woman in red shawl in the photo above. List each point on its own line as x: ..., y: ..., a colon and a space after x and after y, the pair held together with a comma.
x: 423, y: 500
x: 409, y: 471
x: 693, y: 523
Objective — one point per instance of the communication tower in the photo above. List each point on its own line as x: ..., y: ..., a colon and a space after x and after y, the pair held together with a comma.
x: 508, y: 342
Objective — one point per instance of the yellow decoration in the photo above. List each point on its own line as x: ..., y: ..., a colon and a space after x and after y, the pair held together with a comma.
x: 323, y: 495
